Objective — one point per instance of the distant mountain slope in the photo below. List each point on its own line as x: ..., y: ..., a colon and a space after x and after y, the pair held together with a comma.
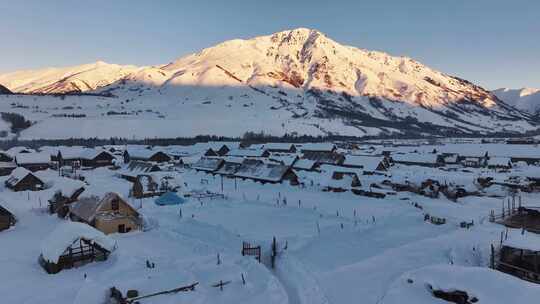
x: 74, y: 79
x: 4, y: 90
x: 317, y: 80
x: 296, y: 82
x: 525, y: 99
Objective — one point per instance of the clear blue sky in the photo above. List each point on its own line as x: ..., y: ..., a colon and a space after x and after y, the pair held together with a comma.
x: 491, y: 42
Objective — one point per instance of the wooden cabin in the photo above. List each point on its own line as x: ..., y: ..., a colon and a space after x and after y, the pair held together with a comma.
x: 146, y: 186
x: 305, y: 165
x: 318, y: 147
x: 208, y: 165
x: 324, y: 157
x: 109, y: 215
x: 146, y: 155
x: 22, y: 179
x: 417, y: 159
x: 33, y: 161
x: 258, y: 171
x: 280, y: 148
x: 136, y: 168
x: 499, y: 162
x: 249, y: 153
x: 230, y: 166
x: 7, y: 167
x: 73, y: 245
x: 7, y: 219
x: 91, y: 158
x: 217, y: 150
x: 7, y: 164
x: 519, y: 256
x: 368, y: 164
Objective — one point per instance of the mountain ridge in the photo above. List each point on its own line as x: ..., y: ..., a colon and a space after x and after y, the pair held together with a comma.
x: 300, y: 79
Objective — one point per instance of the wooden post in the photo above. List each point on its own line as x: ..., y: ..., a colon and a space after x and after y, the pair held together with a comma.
x: 274, y: 252
x: 492, y: 257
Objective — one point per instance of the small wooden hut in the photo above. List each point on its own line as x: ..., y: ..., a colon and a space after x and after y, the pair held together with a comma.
x: 519, y: 255
x: 22, y: 179
x: 72, y: 245
x: 110, y: 214
x: 7, y: 219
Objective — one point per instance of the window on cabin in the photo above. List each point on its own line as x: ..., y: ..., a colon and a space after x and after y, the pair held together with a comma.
x: 115, y: 204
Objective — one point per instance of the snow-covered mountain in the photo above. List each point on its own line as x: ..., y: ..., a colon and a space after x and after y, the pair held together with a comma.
x: 73, y: 79
x: 525, y: 99
x: 296, y: 81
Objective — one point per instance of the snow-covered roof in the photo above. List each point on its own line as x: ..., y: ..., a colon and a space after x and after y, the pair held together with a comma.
x: 33, y: 158
x: 318, y: 147
x: 135, y: 168
x: 87, y: 207
x: 345, y: 182
x: 207, y: 164
x: 368, y: 163
x: 247, y: 152
x: 499, y: 161
x: 7, y: 165
x: 17, y: 175
x: 426, y: 158
x: 278, y: 146
x: 68, y: 233
x: 528, y: 241
x: 80, y: 153
x: 143, y: 153
x: 305, y: 164
x: 68, y: 186
x: 285, y: 159
x: 262, y: 171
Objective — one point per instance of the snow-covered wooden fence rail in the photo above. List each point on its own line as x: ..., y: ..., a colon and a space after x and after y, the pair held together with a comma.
x: 248, y: 249
x: 117, y: 294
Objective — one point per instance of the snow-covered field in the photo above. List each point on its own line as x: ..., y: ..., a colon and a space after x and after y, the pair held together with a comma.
x: 333, y: 247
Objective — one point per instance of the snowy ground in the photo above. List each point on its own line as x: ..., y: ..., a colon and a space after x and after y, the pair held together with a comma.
x: 334, y: 247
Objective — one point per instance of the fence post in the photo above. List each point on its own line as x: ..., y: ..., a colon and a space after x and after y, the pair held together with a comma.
x: 492, y: 257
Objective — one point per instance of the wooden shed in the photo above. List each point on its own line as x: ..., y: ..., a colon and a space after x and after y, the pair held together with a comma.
x: 110, y: 214
x: 7, y: 219
x: 519, y: 255
x: 73, y: 245
x: 22, y: 179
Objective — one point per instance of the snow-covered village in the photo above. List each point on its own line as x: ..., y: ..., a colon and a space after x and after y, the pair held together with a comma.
x: 160, y: 152
x: 272, y: 223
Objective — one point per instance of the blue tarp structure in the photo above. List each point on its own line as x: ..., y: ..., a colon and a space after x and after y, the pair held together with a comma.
x: 169, y: 198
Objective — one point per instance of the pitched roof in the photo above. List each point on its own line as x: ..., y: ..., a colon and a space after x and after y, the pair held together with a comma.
x: 262, y: 171
x: 32, y: 158
x: 246, y: 152
x: 68, y: 233
x: 207, y: 164
x: 328, y: 147
x: 17, y: 175
x: 425, y: 158
x: 87, y: 208
x: 368, y: 163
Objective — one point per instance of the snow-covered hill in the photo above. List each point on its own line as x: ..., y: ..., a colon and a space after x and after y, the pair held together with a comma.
x: 74, y: 79
x: 525, y: 99
x: 297, y: 82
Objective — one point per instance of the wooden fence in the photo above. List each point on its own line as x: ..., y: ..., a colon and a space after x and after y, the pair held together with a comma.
x: 248, y: 249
